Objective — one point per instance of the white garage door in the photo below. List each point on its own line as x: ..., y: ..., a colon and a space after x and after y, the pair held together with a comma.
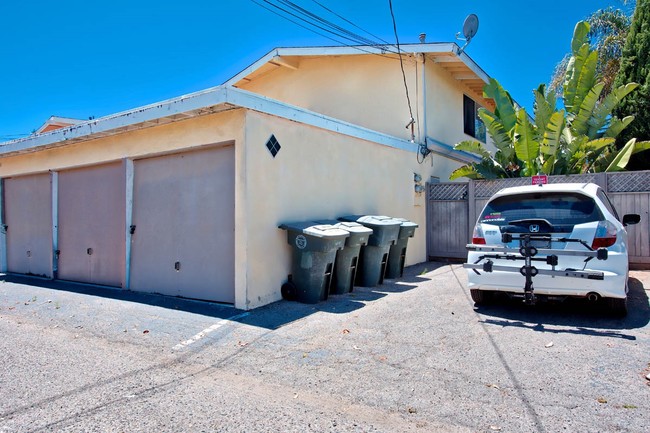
x: 184, y: 217
x: 92, y: 203
x: 28, y: 216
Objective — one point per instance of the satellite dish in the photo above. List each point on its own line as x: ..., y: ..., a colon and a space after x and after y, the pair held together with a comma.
x: 470, y: 27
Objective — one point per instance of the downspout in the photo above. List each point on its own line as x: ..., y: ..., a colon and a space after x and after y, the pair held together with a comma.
x: 423, y: 149
x: 424, y: 99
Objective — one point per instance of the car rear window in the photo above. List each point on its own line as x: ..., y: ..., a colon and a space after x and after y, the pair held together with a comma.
x: 559, y: 209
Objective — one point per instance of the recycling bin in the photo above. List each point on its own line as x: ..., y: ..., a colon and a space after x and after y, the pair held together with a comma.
x: 347, y: 258
x: 314, y: 252
x: 374, y: 256
x: 397, y: 253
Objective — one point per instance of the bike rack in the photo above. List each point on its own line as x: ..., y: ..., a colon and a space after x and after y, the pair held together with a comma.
x: 527, y: 252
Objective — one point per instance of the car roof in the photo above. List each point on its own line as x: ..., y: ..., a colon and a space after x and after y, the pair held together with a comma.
x: 589, y: 189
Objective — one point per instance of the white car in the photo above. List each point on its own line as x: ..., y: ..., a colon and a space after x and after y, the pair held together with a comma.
x: 554, y: 241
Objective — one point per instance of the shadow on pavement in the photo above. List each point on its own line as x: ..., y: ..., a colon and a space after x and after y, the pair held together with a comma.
x: 580, y: 315
x: 270, y: 316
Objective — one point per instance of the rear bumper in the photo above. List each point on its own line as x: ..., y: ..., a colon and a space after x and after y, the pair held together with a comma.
x: 613, y: 284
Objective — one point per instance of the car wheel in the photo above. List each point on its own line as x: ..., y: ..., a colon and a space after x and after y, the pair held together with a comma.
x: 479, y: 296
x: 617, y: 306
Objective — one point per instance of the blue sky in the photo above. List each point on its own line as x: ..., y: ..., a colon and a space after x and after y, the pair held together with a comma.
x: 78, y: 58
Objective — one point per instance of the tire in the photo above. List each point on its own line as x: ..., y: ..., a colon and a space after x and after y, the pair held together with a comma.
x: 617, y: 306
x: 288, y: 291
x: 479, y: 296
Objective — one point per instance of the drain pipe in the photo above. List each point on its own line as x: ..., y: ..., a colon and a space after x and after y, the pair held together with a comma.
x: 423, y: 148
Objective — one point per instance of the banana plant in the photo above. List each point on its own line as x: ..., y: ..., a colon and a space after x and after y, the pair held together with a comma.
x: 579, y: 138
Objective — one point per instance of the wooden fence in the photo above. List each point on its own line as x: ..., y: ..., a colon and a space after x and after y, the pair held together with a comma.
x: 453, y: 207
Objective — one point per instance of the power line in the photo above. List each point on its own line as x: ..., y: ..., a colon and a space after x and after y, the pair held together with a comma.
x: 401, y: 62
x: 350, y: 22
x: 313, y: 21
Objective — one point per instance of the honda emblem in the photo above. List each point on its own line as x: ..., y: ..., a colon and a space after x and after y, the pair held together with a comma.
x: 534, y: 228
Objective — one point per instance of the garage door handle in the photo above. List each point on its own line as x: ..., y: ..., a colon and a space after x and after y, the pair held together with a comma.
x: 177, y: 266
x: 89, y: 251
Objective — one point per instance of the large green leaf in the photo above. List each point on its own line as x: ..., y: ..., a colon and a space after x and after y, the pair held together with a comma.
x: 473, y: 147
x: 640, y: 146
x: 598, y: 143
x: 580, y: 36
x: 623, y: 157
x: 505, y: 108
x: 617, y: 125
x: 580, y: 123
x: 585, y: 79
x: 467, y: 171
x: 526, y: 147
x: 542, y: 109
x: 553, y: 134
x: 497, y: 132
x: 604, y: 110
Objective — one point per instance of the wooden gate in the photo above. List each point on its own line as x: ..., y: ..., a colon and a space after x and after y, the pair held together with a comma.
x: 447, y: 220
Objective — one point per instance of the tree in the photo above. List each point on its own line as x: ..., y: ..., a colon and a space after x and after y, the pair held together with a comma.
x: 607, y: 34
x: 576, y: 139
x: 635, y: 66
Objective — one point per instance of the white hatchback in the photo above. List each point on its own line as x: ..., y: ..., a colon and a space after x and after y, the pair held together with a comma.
x: 555, y: 240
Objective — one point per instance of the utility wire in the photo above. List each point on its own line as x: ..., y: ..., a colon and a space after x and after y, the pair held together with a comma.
x: 401, y: 62
x: 336, y: 28
x: 295, y: 22
x: 350, y: 22
x: 311, y: 22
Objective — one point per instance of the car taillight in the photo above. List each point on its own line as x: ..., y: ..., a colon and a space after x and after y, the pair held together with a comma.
x: 605, y: 235
x: 477, y: 236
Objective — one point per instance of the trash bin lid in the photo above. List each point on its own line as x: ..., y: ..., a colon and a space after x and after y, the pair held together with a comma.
x: 407, y: 223
x: 352, y: 227
x: 314, y: 229
x: 371, y: 220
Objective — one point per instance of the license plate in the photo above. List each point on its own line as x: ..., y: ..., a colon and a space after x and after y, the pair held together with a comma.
x: 539, y: 243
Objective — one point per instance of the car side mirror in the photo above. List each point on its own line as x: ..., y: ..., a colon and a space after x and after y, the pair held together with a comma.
x: 631, y: 219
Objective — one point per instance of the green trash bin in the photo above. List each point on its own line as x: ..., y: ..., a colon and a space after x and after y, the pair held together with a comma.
x: 397, y: 253
x: 314, y: 252
x: 374, y: 256
x: 347, y: 259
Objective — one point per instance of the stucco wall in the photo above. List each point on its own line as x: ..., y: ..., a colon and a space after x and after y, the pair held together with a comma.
x: 170, y: 137
x: 320, y: 174
x: 365, y: 90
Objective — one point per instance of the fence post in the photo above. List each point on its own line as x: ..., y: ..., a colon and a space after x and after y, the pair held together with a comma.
x: 602, y: 180
x: 471, y: 208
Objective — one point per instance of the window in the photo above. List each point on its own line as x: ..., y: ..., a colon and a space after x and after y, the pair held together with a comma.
x: 561, y: 210
x: 473, y: 125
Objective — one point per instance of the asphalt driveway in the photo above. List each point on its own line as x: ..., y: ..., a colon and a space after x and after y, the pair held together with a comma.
x: 412, y: 355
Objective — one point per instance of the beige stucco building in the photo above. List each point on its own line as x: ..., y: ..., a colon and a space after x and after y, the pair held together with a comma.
x: 184, y: 197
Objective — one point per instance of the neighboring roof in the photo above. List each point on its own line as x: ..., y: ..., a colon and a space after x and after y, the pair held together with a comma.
x: 56, y: 122
x: 447, y: 55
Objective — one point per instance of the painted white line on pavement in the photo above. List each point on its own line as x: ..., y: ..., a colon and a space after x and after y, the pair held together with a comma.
x: 206, y: 331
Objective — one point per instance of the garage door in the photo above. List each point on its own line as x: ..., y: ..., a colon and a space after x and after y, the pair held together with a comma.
x: 92, y: 224
x: 183, y: 211
x: 28, y: 216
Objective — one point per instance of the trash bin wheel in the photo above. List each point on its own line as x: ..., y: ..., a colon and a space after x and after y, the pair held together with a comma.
x: 289, y: 291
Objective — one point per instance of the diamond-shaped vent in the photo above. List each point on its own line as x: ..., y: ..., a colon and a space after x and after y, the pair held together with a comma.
x: 273, y: 145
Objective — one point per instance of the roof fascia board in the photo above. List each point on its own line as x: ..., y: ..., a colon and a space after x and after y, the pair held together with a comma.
x: 442, y: 47
x: 255, y: 102
x: 183, y: 104
x: 222, y: 95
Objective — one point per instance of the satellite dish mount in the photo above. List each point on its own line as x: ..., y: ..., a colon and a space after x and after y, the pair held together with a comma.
x: 470, y: 27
